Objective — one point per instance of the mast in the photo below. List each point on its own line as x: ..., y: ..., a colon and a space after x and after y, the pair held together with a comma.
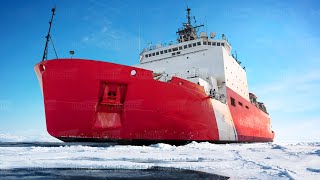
x: 188, y: 15
x: 188, y: 31
x: 48, y: 37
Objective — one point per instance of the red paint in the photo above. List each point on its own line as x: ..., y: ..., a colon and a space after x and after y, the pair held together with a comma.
x: 94, y: 99
x: 77, y: 103
x: 252, y: 124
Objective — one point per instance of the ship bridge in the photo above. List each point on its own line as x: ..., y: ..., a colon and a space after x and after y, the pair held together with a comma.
x: 199, y: 58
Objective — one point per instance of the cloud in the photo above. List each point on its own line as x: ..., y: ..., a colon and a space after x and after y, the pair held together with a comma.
x: 295, y: 86
x: 102, y: 31
x: 292, y: 92
x: 303, y: 130
x: 85, y: 39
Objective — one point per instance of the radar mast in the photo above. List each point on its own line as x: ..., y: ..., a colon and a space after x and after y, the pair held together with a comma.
x: 188, y: 31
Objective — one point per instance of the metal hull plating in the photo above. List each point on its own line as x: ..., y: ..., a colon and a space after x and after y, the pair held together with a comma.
x: 89, y: 100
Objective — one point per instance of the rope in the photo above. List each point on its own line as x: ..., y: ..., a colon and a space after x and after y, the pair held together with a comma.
x: 53, y: 47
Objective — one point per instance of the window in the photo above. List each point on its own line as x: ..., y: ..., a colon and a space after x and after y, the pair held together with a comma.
x: 153, y: 54
x: 222, y: 44
x: 233, y: 102
x: 240, y: 103
x: 173, y: 54
x: 150, y: 55
x: 213, y: 43
x: 218, y: 44
x: 178, y: 52
x: 169, y: 50
x: 185, y: 46
x: 198, y: 43
x: 247, y: 107
x: 189, y: 45
x: 165, y: 51
x: 175, y: 49
x: 194, y: 44
x: 161, y: 52
x: 157, y: 53
x: 209, y: 43
x: 180, y: 47
x: 204, y: 42
x: 146, y: 55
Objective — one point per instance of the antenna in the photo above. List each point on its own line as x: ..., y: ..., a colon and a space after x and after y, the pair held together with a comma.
x: 188, y: 31
x: 185, y: 1
x: 188, y: 16
x: 139, y: 39
x: 48, y: 37
x: 206, y: 24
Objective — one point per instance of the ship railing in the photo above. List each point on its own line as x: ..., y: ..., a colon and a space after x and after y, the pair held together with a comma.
x: 218, y: 96
x: 212, y: 94
x: 157, y: 46
x: 202, y: 41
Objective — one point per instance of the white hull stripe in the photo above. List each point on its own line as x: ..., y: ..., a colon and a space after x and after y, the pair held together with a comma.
x: 226, y: 128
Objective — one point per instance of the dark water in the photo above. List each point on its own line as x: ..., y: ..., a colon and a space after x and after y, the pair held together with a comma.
x: 53, y: 144
x: 84, y: 173
x: 66, y: 173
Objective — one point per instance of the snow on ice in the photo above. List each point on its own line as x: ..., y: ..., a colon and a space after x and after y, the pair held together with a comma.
x: 238, y: 161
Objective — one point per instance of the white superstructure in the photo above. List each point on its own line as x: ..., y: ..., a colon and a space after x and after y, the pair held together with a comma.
x: 200, y: 59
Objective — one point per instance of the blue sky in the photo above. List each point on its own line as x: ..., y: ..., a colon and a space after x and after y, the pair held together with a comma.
x: 277, y: 41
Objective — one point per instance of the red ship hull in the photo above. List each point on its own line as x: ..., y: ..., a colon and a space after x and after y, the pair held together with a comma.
x: 89, y: 100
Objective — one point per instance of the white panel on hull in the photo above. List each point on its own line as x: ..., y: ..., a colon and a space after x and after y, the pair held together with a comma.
x: 226, y: 128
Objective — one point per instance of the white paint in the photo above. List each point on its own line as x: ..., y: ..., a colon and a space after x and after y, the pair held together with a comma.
x: 226, y: 128
x: 133, y: 72
x: 202, y: 83
x: 213, y: 64
x: 235, y: 76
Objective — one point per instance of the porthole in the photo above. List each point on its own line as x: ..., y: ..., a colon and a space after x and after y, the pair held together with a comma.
x: 133, y: 72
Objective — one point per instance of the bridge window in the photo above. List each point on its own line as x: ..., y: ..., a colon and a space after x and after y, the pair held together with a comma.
x: 222, y: 44
x: 146, y: 55
x: 161, y: 52
x: 175, y: 49
x: 178, y: 52
x: 198, y: 43
x: 153, y: 54
x: 157, y: 53
x: 165, y: 51
x: 194, y: 44
x: 233, y: 102
x: 185, y: 46
x: 169, y: 50
x: 218, y: 44
x: 213, y: 43
x: 209, y: 43
x: 204, y: 42
x: 173, y: 54
x: 180, y: 47
x: 189, y: 45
